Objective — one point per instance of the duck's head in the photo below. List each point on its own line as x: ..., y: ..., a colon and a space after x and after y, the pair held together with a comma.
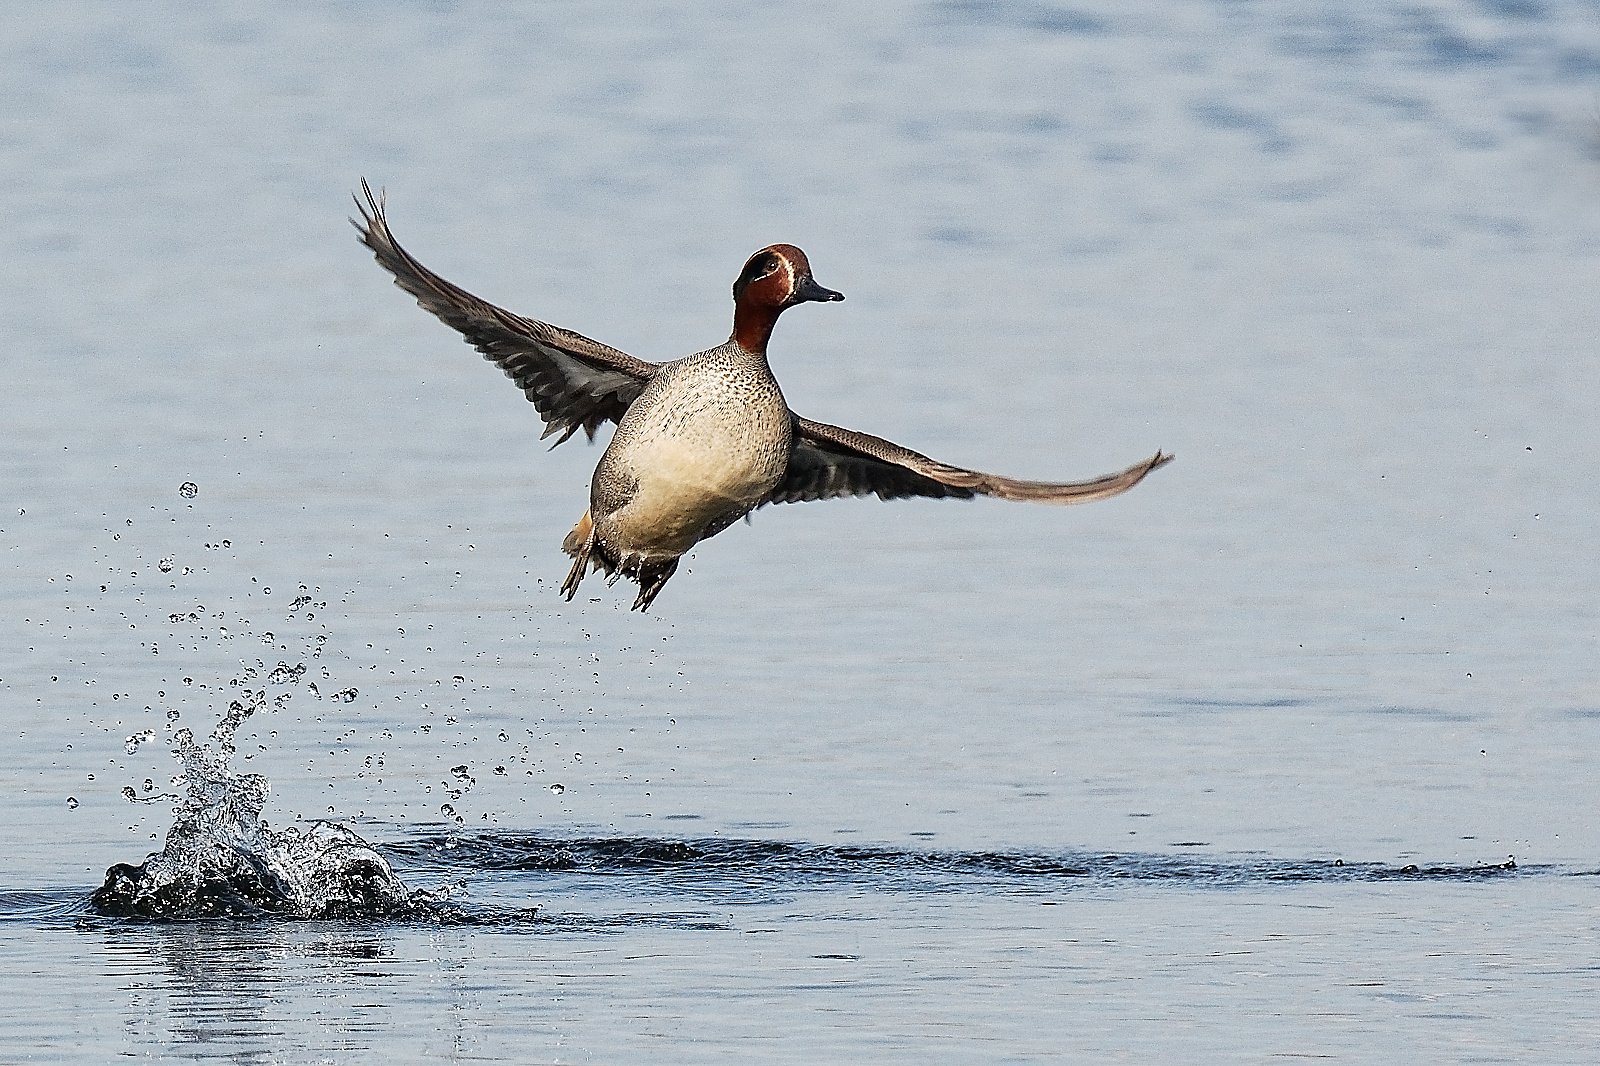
x: 779, y: 276
x: 775, y: 278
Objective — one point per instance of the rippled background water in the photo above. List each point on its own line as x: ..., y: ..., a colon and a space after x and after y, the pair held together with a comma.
x: 920, y: 782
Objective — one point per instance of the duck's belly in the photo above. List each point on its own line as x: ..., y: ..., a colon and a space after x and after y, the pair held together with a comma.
x: 684, y: 482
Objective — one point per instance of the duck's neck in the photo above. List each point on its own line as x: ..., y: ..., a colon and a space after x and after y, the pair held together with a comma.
x: 752, y: 326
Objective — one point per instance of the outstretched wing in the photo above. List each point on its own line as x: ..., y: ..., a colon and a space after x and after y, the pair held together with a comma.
x: 575, y: 383
x: 829, y: 462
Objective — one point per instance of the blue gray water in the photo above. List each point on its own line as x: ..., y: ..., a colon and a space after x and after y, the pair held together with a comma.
x: 1290, y: 752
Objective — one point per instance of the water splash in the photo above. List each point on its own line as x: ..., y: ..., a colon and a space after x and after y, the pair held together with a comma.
x: 222, y: 859
x: 284, y: 674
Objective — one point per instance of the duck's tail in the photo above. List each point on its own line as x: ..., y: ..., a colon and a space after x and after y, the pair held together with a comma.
x: 590, y: 553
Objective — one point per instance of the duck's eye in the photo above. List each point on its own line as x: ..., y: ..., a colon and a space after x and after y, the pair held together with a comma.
x: 769, y: 265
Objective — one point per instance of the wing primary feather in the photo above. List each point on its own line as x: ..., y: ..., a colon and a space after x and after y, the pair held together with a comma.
x: 574, y: 382
x: 830, y: 462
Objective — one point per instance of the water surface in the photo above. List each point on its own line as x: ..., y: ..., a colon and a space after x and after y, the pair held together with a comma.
x: 943, y: 781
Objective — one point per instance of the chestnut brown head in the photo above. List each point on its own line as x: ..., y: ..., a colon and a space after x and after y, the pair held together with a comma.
x: 779, y: 276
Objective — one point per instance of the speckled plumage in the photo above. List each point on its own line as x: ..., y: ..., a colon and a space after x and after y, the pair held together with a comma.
x: 704, y: 444
x: 701, y: 441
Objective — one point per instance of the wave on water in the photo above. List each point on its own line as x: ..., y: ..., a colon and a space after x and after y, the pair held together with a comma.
x: 800, y: 864
x: 222, y: 862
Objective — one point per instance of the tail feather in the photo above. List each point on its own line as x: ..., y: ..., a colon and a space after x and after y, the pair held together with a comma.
x: 589, y: 553
x: 586, y: 554
x: 579, y: 536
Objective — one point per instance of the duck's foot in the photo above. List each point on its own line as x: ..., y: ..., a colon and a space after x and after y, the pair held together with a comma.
x: 652, y: 576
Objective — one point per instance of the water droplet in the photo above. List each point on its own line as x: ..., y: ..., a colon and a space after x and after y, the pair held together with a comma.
x: 347, y: 696
x: 503, y: 736
x: 447, y: 810
x: 500, y: 771
x: 577, y: 756
x: 285, y: 674
x: 129, y: 794
x: 165, y: 566
x: 72, y: 803
x: 557, y: 788
x: 188, y: 490
x: 131, y: 744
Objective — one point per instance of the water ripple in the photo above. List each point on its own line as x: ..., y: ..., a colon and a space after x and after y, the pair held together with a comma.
x: 801, y: 864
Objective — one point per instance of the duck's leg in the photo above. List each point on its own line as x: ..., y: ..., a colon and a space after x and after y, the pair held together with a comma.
x: 652, y: 576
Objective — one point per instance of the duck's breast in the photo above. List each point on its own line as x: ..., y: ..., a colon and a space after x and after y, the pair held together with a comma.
x: 708, y: 443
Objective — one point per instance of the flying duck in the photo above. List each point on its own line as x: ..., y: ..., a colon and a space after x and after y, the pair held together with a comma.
x: 701, y: 441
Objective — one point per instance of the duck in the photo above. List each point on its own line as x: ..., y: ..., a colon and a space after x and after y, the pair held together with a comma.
x: 701, y: 441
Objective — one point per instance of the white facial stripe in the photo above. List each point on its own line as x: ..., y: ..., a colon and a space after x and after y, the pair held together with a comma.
x: 790, y: 281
